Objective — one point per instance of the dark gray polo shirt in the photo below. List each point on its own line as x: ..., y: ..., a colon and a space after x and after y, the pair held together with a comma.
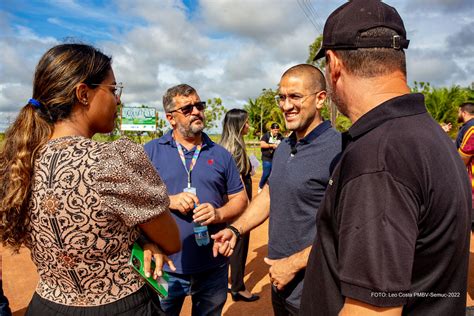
x: 297, y: 185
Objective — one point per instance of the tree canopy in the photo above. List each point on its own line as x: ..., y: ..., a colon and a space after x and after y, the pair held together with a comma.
x: 443, y: 103
x: 263, y: 111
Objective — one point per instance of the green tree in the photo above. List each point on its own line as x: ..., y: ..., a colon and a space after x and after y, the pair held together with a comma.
x: 263, y: 111
x: 313, y: 50
x: 443, y: 103
x: 330, y: 111
x: 214, y: 112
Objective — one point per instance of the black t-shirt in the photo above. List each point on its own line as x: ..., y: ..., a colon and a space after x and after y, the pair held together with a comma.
x: 394, y: 226
x: 267, y: 153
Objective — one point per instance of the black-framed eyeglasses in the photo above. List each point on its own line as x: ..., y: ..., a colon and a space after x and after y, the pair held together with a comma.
x: 117, y: 88
x: 187, y: 109
x: 293, y: 98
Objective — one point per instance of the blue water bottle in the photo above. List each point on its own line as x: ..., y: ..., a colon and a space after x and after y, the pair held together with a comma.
x: 201, y: 234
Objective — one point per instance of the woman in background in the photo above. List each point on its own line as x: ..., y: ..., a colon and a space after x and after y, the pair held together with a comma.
x: 235, y: 126
x: 78, y: 204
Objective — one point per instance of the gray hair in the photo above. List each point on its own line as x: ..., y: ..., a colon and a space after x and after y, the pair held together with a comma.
x: 373, y: 62
x: 181, y: 89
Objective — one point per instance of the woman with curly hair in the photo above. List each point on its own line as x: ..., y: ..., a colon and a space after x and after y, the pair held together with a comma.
x: 78, y: 204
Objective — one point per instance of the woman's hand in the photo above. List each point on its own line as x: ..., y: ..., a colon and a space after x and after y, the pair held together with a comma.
x: 150, y: 250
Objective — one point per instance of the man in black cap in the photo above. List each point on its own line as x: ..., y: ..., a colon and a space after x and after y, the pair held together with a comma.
x: 393, y: 228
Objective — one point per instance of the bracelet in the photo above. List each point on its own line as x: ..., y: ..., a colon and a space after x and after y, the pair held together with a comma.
x: 235, y: 231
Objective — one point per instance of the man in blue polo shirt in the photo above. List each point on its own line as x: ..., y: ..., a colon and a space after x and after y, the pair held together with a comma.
x: 204, y: 187
x: 300, y: 173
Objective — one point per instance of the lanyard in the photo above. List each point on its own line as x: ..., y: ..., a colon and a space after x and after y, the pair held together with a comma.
x: 193, y: 161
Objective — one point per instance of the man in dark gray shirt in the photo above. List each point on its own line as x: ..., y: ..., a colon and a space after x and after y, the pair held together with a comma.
x: 300, y: 174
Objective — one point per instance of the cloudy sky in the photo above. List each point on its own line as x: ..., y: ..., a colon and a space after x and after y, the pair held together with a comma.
x: 230, y: 49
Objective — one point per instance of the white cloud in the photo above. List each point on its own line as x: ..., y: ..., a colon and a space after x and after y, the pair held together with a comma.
x: 252, y: 19
x: 20, y: 51
x: 228, y: 49
x: 440, y: 5
x: 435, y: 68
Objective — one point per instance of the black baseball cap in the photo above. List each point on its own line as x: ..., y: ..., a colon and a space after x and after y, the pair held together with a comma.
x: 343, y: 27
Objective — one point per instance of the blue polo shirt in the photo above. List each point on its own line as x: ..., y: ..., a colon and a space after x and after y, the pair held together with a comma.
x: 300, y: 174
x: 215, y: 176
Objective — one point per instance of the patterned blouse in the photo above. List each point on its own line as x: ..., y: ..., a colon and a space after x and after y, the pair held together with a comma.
x: 87, y: 198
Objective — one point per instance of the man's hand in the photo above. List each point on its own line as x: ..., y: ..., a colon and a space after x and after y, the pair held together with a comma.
x: 446, y: 127
x: 151, y: 250
x: 224, y: 243
x: 205, y: 214
x: 281, y: 271
x: 183, y: 202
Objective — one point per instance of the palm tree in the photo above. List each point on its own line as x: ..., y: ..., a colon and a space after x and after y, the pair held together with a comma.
x: 443, y: 103
x: 263, y: 111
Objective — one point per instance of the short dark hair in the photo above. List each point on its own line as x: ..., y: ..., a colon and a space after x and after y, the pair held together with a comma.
x: 315, y: 75
x: 274, y: 125
x: 181, y: 89
x: 468, y: 107
x: 373, y: 62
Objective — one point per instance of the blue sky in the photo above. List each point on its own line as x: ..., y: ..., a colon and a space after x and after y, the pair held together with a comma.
x: 230, y: 49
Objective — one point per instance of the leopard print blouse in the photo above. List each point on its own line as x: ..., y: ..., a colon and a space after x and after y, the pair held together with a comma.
x: 87, y: 198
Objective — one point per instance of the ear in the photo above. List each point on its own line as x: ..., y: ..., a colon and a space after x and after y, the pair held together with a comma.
x: 320, y: 98
x: 170, y: 119
x: 335, y: 64
x: 81, y: 93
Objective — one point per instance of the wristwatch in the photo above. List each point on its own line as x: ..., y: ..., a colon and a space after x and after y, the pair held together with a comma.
x: 235, y: 231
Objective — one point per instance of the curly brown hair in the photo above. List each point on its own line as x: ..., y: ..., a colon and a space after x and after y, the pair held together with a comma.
x: 57, y: 74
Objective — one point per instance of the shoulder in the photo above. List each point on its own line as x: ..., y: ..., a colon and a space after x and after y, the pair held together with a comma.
x: 79, y: 147
x: 333, y: 134
x: 218, y: 151
x: 467, y: 140
x: 125, y: 147
x: 122, y: 152
x: 158, y: 143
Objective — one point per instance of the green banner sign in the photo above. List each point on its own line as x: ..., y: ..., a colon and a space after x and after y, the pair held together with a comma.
x: 138, y: 119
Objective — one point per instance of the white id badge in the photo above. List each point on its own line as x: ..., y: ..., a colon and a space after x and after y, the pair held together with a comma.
x: 190, y: 190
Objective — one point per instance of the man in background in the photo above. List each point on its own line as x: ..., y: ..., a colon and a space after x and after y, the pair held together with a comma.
x: 465, y: 138
x: 268, y: 143
x: 465, y: 145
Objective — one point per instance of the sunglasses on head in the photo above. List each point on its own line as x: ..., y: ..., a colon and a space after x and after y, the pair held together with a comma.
x: 187, y: 109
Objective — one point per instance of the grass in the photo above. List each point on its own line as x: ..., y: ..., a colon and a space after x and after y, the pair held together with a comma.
x: 253, y: 146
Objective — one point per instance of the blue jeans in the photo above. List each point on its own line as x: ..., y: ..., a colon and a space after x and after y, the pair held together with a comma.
x: 267, y: 168
x: 208, y: 292
x: 4, y: 308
